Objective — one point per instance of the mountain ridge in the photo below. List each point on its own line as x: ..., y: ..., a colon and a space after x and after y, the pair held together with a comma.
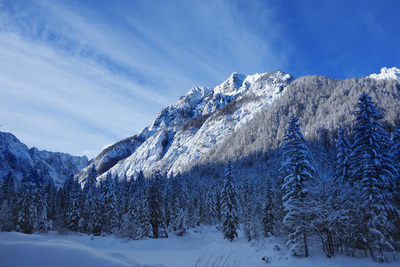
x: 17, y: 158
x: 188, y: 132
x: 210, y: 124
x: 183, y: 131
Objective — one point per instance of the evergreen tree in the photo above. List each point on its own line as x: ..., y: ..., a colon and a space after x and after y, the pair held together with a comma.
x: 342, y: 163
x: 179, y: 220
x: 247, y: 208
x: 46, y: 206
x: 72, y: 215
x: 267, y: 209
x: 373, y: 173
x: 210, y: 210
x: 156, y: 206
x: 50, y: 193
x: 340, y: 199
x: 7, y: 206
x: 142, y: 219
x: 89, y: 199
x: 106, y: 205
x: 121, y: 193
x: 28, y: 203
x: 230, y: 219
x: 297, y: 171
x: 128, y: 197
x: 59, y: 209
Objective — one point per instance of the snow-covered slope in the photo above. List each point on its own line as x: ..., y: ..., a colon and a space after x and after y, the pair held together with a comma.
x: 200, y: 120
x: 203, y: 246
x: 16, y: 157
x: 387, y: 73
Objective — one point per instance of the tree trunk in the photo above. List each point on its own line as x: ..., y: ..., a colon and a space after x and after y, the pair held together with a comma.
x: 305, y: 245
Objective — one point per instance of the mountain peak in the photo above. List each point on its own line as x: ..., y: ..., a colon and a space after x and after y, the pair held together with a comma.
x: 387, y: 73
x: 231, y: 85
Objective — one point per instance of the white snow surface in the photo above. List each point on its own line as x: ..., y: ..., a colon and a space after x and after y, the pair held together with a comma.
x: 186, y: 131
x: 387, y: 73
x: 203, y: 246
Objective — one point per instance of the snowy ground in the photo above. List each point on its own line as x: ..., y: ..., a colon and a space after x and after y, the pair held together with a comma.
x: 201, y: 247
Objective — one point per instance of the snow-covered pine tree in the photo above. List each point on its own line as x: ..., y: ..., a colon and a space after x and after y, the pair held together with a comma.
x: 267, y: 210
x: 229, y: 204
x: 120, y: 191
x: 29, y: 196
x: 7, y: 208
x: 146, y: 229
x: 178, y: 198
x: 297, y: 171
x: 72, y: 214
x: 89, y: 199
x: 139, y: 209
x: 50, y: 193
x: 8, y: 188
x: 210, y: 209
x: 342, y: 162
x: 128, y: 203
x: 156, y: 206
x: 340, y: 200
x: 247, y: 207
x: 373, y: 173
x: 107, y: 201
x: 46, y: 205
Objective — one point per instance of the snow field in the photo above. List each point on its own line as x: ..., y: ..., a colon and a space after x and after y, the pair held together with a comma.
x: 203, y: 246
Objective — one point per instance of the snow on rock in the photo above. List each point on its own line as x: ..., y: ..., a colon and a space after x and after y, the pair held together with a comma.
x: 19, y: 159
x: 387, y: 73
x: 184, y: 132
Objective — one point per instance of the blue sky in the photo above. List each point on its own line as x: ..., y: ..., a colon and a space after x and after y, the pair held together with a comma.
x: 76, y: 75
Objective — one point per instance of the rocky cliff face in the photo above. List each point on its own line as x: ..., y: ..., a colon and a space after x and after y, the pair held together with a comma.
x: 17, y: 158
x: 181, y: 133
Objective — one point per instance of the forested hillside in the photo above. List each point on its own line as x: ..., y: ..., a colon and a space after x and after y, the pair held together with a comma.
x: 322, y: 105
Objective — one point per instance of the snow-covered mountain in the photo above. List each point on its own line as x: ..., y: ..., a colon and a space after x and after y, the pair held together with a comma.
x: 210, y: 124
x: 181, y: 133
x: 387, y: 73
x: 16, y: 157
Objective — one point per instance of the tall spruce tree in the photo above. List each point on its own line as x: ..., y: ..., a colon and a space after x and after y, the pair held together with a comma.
x: 268, y: 210
x: 247, y: 208
x: 142, y: 219
x: 229, y: 205
x: 89, y: 199
x: 210, y: 209
x: 72, y: 214
x: 7, y: 200
x: 297, y: 171
x: 179, y: 220
x: 157, y: 206
x: 342, y: 162
x: 29, y: 202
x: 373, y: 174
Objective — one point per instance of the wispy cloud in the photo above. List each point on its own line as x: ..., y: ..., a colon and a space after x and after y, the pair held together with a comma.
x: 76, y: 76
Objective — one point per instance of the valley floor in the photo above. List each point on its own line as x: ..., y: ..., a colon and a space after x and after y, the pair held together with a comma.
x: 200, y: 247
